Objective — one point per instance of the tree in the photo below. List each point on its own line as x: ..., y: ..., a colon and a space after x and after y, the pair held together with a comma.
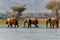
x: 54, y: 6
x: 18, y: 9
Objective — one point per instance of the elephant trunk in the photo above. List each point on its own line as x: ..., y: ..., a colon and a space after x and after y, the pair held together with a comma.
x: 46, y: 24
x: 24, y: 23
x: 6, y: 22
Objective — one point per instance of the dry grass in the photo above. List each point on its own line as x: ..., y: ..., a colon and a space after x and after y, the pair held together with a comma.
x: 40, y: 21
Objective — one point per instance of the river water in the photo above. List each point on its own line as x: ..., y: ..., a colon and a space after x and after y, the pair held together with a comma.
x: 22, y: 33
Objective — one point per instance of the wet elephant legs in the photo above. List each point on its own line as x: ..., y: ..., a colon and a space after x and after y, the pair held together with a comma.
x: 15, y: 25
x: 10, y: 25
x: 53, y: 25
x: 36, y: 26
x: 29, y: 25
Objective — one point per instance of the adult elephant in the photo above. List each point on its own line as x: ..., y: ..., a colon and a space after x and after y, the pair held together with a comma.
x: 12, y: 21
x: 53, y: 22
x: 30, y: 21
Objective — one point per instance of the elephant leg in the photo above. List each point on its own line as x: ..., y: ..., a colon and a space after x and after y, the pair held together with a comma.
x: 24, y: 24
x: 53, y: 25
x: 17, y: 25
x: 28, y: 25
x: 50, y: 25
x: 36, y: 26
x: 57, y: 26
x: 46, y: 24
x: 11, y: 25
x: 8, y: 25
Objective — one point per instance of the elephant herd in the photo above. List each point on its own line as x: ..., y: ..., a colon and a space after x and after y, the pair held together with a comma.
x: 54, y: 22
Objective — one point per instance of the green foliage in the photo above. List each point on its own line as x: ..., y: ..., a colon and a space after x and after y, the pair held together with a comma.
x: 49, y: 6
x: 19, y: 9
x: 52, y: 5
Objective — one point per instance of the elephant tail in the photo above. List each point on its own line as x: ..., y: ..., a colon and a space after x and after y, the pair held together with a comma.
x: 24, y: 23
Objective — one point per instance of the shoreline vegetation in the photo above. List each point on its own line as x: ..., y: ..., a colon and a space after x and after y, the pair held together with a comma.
x: 40, y: 21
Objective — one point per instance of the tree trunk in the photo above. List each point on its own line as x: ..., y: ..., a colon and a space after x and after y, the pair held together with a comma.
x: 56, y: 13
x: 17, y: 16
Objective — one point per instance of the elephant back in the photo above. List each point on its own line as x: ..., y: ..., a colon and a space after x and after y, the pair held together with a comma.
x: 33, y: 20
x: 11, y: 20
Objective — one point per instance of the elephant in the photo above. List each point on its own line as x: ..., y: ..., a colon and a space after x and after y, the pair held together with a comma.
x: 53, y: 22
x: 12, y: 21
x: 30, y: 21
